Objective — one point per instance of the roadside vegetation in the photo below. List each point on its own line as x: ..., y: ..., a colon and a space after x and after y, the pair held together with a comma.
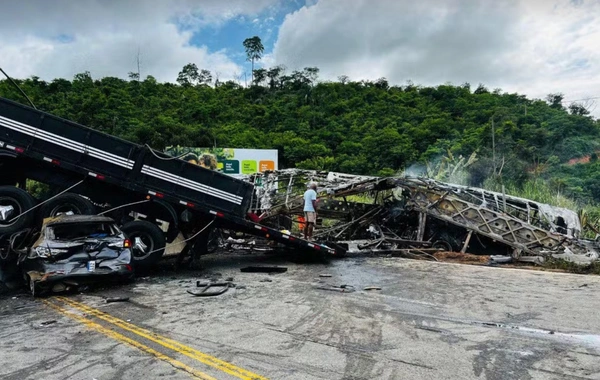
x: 466, y: 134
x: 571, y: 267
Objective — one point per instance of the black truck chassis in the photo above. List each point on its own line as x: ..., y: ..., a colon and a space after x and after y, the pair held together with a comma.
x: 39, y: 146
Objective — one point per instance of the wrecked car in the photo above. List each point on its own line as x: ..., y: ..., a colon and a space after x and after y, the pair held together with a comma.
x: 73, y: 250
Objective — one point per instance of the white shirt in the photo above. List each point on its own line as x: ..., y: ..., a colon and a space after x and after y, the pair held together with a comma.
x: 309, y: 196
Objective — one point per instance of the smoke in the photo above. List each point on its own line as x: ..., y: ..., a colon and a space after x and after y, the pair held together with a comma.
x: 445, y: 167
x: 415, y: 170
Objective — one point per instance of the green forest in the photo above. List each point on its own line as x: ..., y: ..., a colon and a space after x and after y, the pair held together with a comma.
x: 458, y: 133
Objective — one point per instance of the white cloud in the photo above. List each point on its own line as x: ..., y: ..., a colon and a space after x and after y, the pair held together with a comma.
x: 58, y: 38
x: 531, y: 46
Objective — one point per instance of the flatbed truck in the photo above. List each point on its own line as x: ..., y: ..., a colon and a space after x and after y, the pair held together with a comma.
x: 103, y: 172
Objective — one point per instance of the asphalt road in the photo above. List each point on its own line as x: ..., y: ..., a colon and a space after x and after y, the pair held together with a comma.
x: 428, y: 321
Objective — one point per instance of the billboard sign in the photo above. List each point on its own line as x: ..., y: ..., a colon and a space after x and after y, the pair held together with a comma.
x: 232, y: 161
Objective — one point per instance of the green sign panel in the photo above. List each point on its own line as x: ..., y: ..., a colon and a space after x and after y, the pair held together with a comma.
x: 231, y: 167
x: 249, y: 167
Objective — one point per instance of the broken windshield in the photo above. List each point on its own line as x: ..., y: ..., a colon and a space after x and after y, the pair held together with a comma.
x: 74, y: 231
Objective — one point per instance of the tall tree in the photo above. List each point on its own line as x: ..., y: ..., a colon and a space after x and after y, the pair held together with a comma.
x: 274, y: 74
x: 259, y: 76
x: 254, y: 50
x: 311, y: 73
x: 343, y: 79
x: 188, y: 75
x: 134, y: 76
x: 578, y: 109
x: 205, y: 77
x: 555, y: 100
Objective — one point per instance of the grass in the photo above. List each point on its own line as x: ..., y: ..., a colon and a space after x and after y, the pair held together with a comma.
x: 571, y: 267
x: 535, y: 189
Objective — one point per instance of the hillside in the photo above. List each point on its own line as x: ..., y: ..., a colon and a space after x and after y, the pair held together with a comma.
x: 354, y: 127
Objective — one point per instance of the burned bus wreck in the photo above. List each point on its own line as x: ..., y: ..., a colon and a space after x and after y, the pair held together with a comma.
x: 404, y: 214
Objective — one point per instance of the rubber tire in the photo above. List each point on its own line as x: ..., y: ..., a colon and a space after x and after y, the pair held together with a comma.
x: 151, y: 231
x: 442, y: 244
x: 448, y: 240
x: 25, y: 202
x: 83, y: 205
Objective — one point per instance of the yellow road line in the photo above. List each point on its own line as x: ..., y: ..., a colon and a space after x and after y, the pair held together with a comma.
x: 123, y: 339
x: 166, y: 342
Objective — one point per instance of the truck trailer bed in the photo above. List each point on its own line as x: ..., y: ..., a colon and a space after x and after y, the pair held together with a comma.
x: 63, y: 146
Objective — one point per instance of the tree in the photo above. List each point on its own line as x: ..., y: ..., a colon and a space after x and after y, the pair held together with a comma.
x: 254, y: 50
x: 362, y: 127
x: 578, y: 109
x: 311, y: 73
x: 84, y: 77
x: 555, y: 100
x: 259, y: 76
x: 274, y: 74
x: 134, y: 76
x: 481, y: 89
x: 382, y: 83
x: 205, y: 77
x: 343, y: 79
x: 188, y: 75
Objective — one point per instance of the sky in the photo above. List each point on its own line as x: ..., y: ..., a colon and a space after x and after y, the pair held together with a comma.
x: 533, y: 47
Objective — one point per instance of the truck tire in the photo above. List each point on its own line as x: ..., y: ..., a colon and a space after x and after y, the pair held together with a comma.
x: 20, y: 201
x: 447, y: 242
x: 63, y: 203
x: 148, y: 242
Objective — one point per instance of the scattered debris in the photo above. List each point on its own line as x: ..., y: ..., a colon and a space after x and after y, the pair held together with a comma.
x: 418, y: 217
x: 204, y: 292
x: 117, y: 299
x: 501, y: 259
x: 201, y: 284
x: 262, y: 269
x: 266, y: 280
x: 46, y: 323
x: 334, y: 288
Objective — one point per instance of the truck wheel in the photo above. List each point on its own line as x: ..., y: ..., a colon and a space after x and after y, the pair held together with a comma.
x: 443, y: 245
x: 148, y: 242
x: 67, y: 203
x: 14, y: 202
x: 448, y: 243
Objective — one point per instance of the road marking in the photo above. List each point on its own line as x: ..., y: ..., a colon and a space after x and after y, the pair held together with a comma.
x: 166, y: 342
x: 123, y: 339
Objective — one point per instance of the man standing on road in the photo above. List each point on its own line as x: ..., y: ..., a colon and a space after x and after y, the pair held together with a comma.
x: 310, y: 209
